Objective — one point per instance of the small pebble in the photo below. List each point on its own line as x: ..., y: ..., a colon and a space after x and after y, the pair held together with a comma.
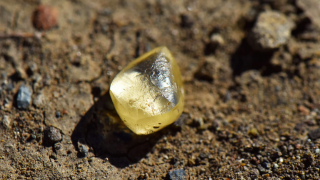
x: 52, y: 135
x: 6, y: 103
x: 58, y: 114
x: 275, y: 166
x: 281, y: 160
x: 217, y: 39
x: 255, y: 173
x: 178, y: 174
x: 24, y: 97
x: 315, y: 134
x: 83, y: 149
x: 261, y: 169
x: 290, y: 148
x: 33, y: 67
x: 215, y: 125
x: 57, y: 146
x: 45, y: 17
x: 271, y: 30
x: 266, y: 164
x: 253, y: 132
x: 6, y: 121
x: 10, y: 86
x: 165, y: 157
x: 317, y: 150
x: 245, y: 168
x: 38, y: 100
x: 312, y: 145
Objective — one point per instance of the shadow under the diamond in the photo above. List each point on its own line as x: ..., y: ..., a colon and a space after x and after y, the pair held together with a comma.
x: 102, y: 129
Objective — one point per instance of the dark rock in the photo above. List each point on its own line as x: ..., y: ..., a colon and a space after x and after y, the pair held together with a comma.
x: 186, y: 21
x: 276, y: 154
x: 53, y: 156
x: 197, y: 123
x: 309, y: 160
x: 174, y: 161
x: 315, y: 134
x: 24, y: 97
x: 178, y: 174
x: 284, y: 149
x: 58, y: 114
x: 300, y: 127
x: 261, y: 169
x: 52, y: 135
x: 266, y: 164
x: 254, y: 160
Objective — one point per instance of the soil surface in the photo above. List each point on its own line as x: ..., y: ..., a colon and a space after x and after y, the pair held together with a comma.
x: 251, y: 71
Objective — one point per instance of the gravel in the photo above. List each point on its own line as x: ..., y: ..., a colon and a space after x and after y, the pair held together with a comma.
x: 24, y: 97
x: 178, y: 174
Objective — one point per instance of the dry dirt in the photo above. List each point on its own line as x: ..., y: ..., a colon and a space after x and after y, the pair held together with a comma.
x: 249, y: 114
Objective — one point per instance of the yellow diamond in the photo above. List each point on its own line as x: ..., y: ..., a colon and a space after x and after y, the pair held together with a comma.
x: 148, y: 93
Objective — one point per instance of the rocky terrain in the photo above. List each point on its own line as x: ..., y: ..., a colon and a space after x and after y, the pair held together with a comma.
x: 251, y: 76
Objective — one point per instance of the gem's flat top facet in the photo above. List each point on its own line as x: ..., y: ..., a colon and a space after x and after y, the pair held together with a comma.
x: 148, y: 93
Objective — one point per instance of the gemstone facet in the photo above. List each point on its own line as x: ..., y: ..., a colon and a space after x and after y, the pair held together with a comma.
x: 148, y: 93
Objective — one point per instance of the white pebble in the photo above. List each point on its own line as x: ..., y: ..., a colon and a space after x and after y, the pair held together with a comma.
x: 6, y: 121
x: 281, y: 160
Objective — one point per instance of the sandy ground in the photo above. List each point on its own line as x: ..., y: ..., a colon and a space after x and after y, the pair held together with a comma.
x: 251, y: 75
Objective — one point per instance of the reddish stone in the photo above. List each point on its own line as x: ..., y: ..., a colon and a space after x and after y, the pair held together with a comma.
x: 45, y: 17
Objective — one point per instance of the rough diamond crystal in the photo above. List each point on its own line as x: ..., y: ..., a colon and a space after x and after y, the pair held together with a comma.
x: 148, y: 93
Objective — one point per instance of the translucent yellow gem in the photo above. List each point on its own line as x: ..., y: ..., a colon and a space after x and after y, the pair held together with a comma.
x: 148, y: 93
